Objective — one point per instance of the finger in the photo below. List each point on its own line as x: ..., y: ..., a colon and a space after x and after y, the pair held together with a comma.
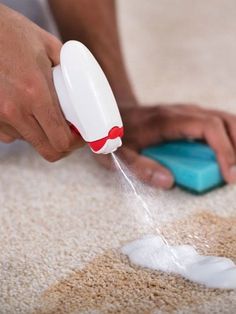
x: 53, y: 47
x: 75, y: 139
x: 229, y: 121
x: 212, y: 130
x: 5, y: 138
x: 217, y: 137
x: 52, y: 121
x: 47, y: 111
x: 10, y: 131
x: 230, y: 124
x: 31, y: 131
x: 145, y: 169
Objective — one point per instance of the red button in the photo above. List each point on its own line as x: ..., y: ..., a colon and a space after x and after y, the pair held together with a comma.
x: 115, y: 132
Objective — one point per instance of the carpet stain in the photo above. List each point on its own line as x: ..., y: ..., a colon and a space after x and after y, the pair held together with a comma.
x: 110, y: 284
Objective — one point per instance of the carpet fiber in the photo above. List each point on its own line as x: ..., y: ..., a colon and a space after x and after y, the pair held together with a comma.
x: 62, y: 224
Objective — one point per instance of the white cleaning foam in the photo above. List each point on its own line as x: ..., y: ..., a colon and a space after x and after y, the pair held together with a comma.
x: 212, y: 271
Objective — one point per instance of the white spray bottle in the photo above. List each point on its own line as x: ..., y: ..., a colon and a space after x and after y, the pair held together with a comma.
x: 86, y: 98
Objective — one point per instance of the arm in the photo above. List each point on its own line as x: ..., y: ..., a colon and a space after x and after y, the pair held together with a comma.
x: 94, y: 23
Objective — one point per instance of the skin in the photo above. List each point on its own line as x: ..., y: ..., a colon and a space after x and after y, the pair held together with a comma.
x: 94, y: 23
x: 150, y: 125
x: 29, y: 107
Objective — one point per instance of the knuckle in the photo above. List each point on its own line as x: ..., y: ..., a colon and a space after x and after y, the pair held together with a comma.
x: 56, y: 42
x: 8, y: 110
x: 53, y: 42
x: 37, y: 142
x: 53, y: 119
x: 31, y: 86
x: 214, y: 122
x: 65, y: 145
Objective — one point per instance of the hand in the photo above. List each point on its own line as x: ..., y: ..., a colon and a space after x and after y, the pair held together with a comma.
x: 146, y: 126
x: 29, y: 107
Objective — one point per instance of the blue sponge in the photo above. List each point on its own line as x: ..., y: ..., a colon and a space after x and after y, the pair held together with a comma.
x: 193, y: 164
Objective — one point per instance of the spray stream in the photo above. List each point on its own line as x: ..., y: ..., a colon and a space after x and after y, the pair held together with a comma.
x: 120, y: 167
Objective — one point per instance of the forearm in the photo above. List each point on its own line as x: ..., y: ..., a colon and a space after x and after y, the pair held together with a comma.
x: 94, y: 23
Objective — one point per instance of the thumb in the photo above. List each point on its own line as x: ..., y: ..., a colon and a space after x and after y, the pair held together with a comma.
x: 147, y: 170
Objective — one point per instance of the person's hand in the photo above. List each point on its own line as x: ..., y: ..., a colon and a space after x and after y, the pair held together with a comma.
x: 29, y: 106
x: 146, y: 126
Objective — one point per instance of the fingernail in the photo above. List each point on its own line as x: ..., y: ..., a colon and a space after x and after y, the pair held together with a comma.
x: 232, y: 174
x: 162, y: 180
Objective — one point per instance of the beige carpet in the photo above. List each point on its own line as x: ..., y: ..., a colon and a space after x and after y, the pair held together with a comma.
x: 61, y: 225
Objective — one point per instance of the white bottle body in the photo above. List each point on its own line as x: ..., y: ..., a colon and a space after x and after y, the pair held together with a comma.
x: 86, y: 97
